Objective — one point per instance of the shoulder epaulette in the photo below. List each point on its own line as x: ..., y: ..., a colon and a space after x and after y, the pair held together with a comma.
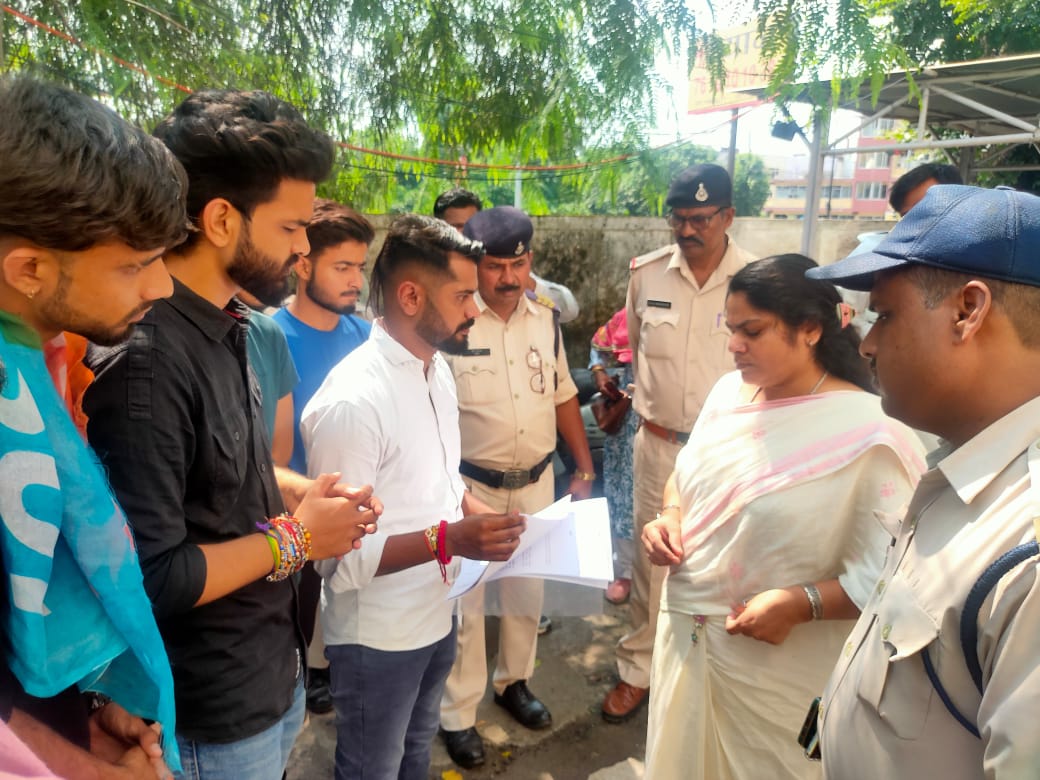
x: 651, y: 257
x: 544, y: 300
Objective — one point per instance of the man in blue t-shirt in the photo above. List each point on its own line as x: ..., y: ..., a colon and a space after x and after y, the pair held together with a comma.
x: 319, y: 323
x: 322, y: 329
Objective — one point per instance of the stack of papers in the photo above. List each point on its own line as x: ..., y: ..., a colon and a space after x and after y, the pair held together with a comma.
x: 568, y: 541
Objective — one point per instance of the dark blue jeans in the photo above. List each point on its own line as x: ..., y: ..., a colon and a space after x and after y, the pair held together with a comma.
x: 387, y: 708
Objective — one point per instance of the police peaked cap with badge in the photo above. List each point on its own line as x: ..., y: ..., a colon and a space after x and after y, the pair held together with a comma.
x: 700, y: 185
x: 994, y: 234
x: 505, y: 231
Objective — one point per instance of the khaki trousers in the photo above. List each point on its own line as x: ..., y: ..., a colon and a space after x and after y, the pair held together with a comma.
x: 653, y: 460
x: 520, y: 599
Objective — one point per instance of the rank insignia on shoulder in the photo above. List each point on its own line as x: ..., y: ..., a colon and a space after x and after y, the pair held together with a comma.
x: 477, y: 352
x: 544, y: 300
x: 650, y: 257
x: 658, y: 304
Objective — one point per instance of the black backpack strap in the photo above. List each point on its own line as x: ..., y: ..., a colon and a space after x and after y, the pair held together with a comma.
x: 970, y: 625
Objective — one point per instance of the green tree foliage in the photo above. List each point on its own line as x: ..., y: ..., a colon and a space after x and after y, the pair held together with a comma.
x: 750, y: 185
x: 541, y: 78
x: 854, y: 40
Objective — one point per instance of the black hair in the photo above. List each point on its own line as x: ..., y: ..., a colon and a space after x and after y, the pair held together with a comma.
x: 333, y: 223
x: 241, y: 146
x: 74, y: 174
x: 778, y: 285
x: 456, y: 198
x: 417, y: 240
x: 942, y: 174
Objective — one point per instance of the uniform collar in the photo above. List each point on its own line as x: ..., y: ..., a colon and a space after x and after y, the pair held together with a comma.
x: 732, y: 261
x: 975, y: 464
x: 524, y: 306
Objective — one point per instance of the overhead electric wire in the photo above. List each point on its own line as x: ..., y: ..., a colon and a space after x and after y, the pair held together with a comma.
x: 569, y: 168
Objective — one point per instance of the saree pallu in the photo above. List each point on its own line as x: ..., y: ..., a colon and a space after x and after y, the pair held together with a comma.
x: 773, y: 495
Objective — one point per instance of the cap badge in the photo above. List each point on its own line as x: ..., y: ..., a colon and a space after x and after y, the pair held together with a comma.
x: 519, y: 249
x: 702, y: 194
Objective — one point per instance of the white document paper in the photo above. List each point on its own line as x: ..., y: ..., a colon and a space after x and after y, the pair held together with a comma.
x: 568, y: 541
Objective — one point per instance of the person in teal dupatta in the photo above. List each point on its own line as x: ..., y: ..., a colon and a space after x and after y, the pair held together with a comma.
x: 88, y: 205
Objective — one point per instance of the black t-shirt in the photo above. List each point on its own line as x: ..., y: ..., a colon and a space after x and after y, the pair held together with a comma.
x: 175, y: 418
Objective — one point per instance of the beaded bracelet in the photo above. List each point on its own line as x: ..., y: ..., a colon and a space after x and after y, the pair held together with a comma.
x: 290, y: 545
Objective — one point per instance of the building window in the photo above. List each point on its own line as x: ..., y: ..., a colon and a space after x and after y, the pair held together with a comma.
x: 875, y: 160
x: 836, y: 192
x: 871, y: 190
x: 790, y: 191
x: 878, y: 128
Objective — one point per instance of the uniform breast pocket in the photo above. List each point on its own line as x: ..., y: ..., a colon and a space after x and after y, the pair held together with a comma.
x: 477, y: 381
x: 719, y: 334
x: 659, y: 334
x: 894, y: 682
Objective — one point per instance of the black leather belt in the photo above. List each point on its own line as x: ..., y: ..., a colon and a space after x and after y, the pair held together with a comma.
x: 514, y: 479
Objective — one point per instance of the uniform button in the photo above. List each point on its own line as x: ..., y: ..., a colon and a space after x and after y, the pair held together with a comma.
x: 881, y: 587
x: 885, y: 632
x: 521, y: 431
x: 510, y: 362
x: 848, y: 649
x: 263, y: 468
x: 238, y: 436
x: 516, y: 395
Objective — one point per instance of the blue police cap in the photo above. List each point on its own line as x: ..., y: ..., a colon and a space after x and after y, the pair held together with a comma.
x: 505, y: 231
x: 994, y: 234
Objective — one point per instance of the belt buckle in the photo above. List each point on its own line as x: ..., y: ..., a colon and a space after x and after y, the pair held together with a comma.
x: 514, y: 479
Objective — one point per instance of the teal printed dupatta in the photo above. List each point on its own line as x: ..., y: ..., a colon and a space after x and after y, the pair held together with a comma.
x: 77, y: 613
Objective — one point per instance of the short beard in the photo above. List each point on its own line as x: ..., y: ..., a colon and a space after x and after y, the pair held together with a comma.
x: 258, y: 274
x: 61, y: 316
x: 453, y: 345
x: 317, y: 295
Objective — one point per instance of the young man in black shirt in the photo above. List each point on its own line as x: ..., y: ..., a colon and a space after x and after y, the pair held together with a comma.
x: 175, y: 417
x: 87, y: 206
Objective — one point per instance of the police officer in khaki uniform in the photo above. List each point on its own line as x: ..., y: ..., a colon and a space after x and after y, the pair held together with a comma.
x: 515, y: 391
x: 941, y: 675
x: 675, y: 304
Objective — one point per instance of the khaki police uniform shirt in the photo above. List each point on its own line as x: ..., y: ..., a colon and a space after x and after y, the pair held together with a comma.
x: 881, y: 716
x: 507, y: 393
x: 678, y: 334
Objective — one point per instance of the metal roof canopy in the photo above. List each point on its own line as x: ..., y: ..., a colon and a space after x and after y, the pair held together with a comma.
x: 992, y: 101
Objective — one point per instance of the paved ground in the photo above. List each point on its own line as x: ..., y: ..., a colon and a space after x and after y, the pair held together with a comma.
x: 575, y: 670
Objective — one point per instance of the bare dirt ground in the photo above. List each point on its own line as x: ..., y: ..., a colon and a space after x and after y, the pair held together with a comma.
x: 575, y: 669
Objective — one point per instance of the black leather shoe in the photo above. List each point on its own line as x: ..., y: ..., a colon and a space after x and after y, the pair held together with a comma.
x: 319, y: 697
x: 465, y: 747
x: 519, y: 702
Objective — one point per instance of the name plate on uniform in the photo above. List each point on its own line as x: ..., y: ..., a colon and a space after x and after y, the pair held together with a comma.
x: 659, y: 304
x: 482, y: 352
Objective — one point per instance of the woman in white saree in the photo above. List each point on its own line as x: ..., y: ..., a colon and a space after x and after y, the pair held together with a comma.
x: 773, y: 532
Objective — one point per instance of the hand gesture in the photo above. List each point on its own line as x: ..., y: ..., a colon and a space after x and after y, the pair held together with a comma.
x: 485, y: 537
x: 337, y: 516
x: 770, y: 615
x: 662, y: 539
x: 127, y: 743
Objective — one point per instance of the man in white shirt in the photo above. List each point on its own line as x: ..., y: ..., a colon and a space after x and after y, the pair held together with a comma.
x: 941, y: 676
x: 389, y: 411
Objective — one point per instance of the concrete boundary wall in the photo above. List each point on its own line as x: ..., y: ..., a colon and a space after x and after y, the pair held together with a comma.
x: 591, y: 255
